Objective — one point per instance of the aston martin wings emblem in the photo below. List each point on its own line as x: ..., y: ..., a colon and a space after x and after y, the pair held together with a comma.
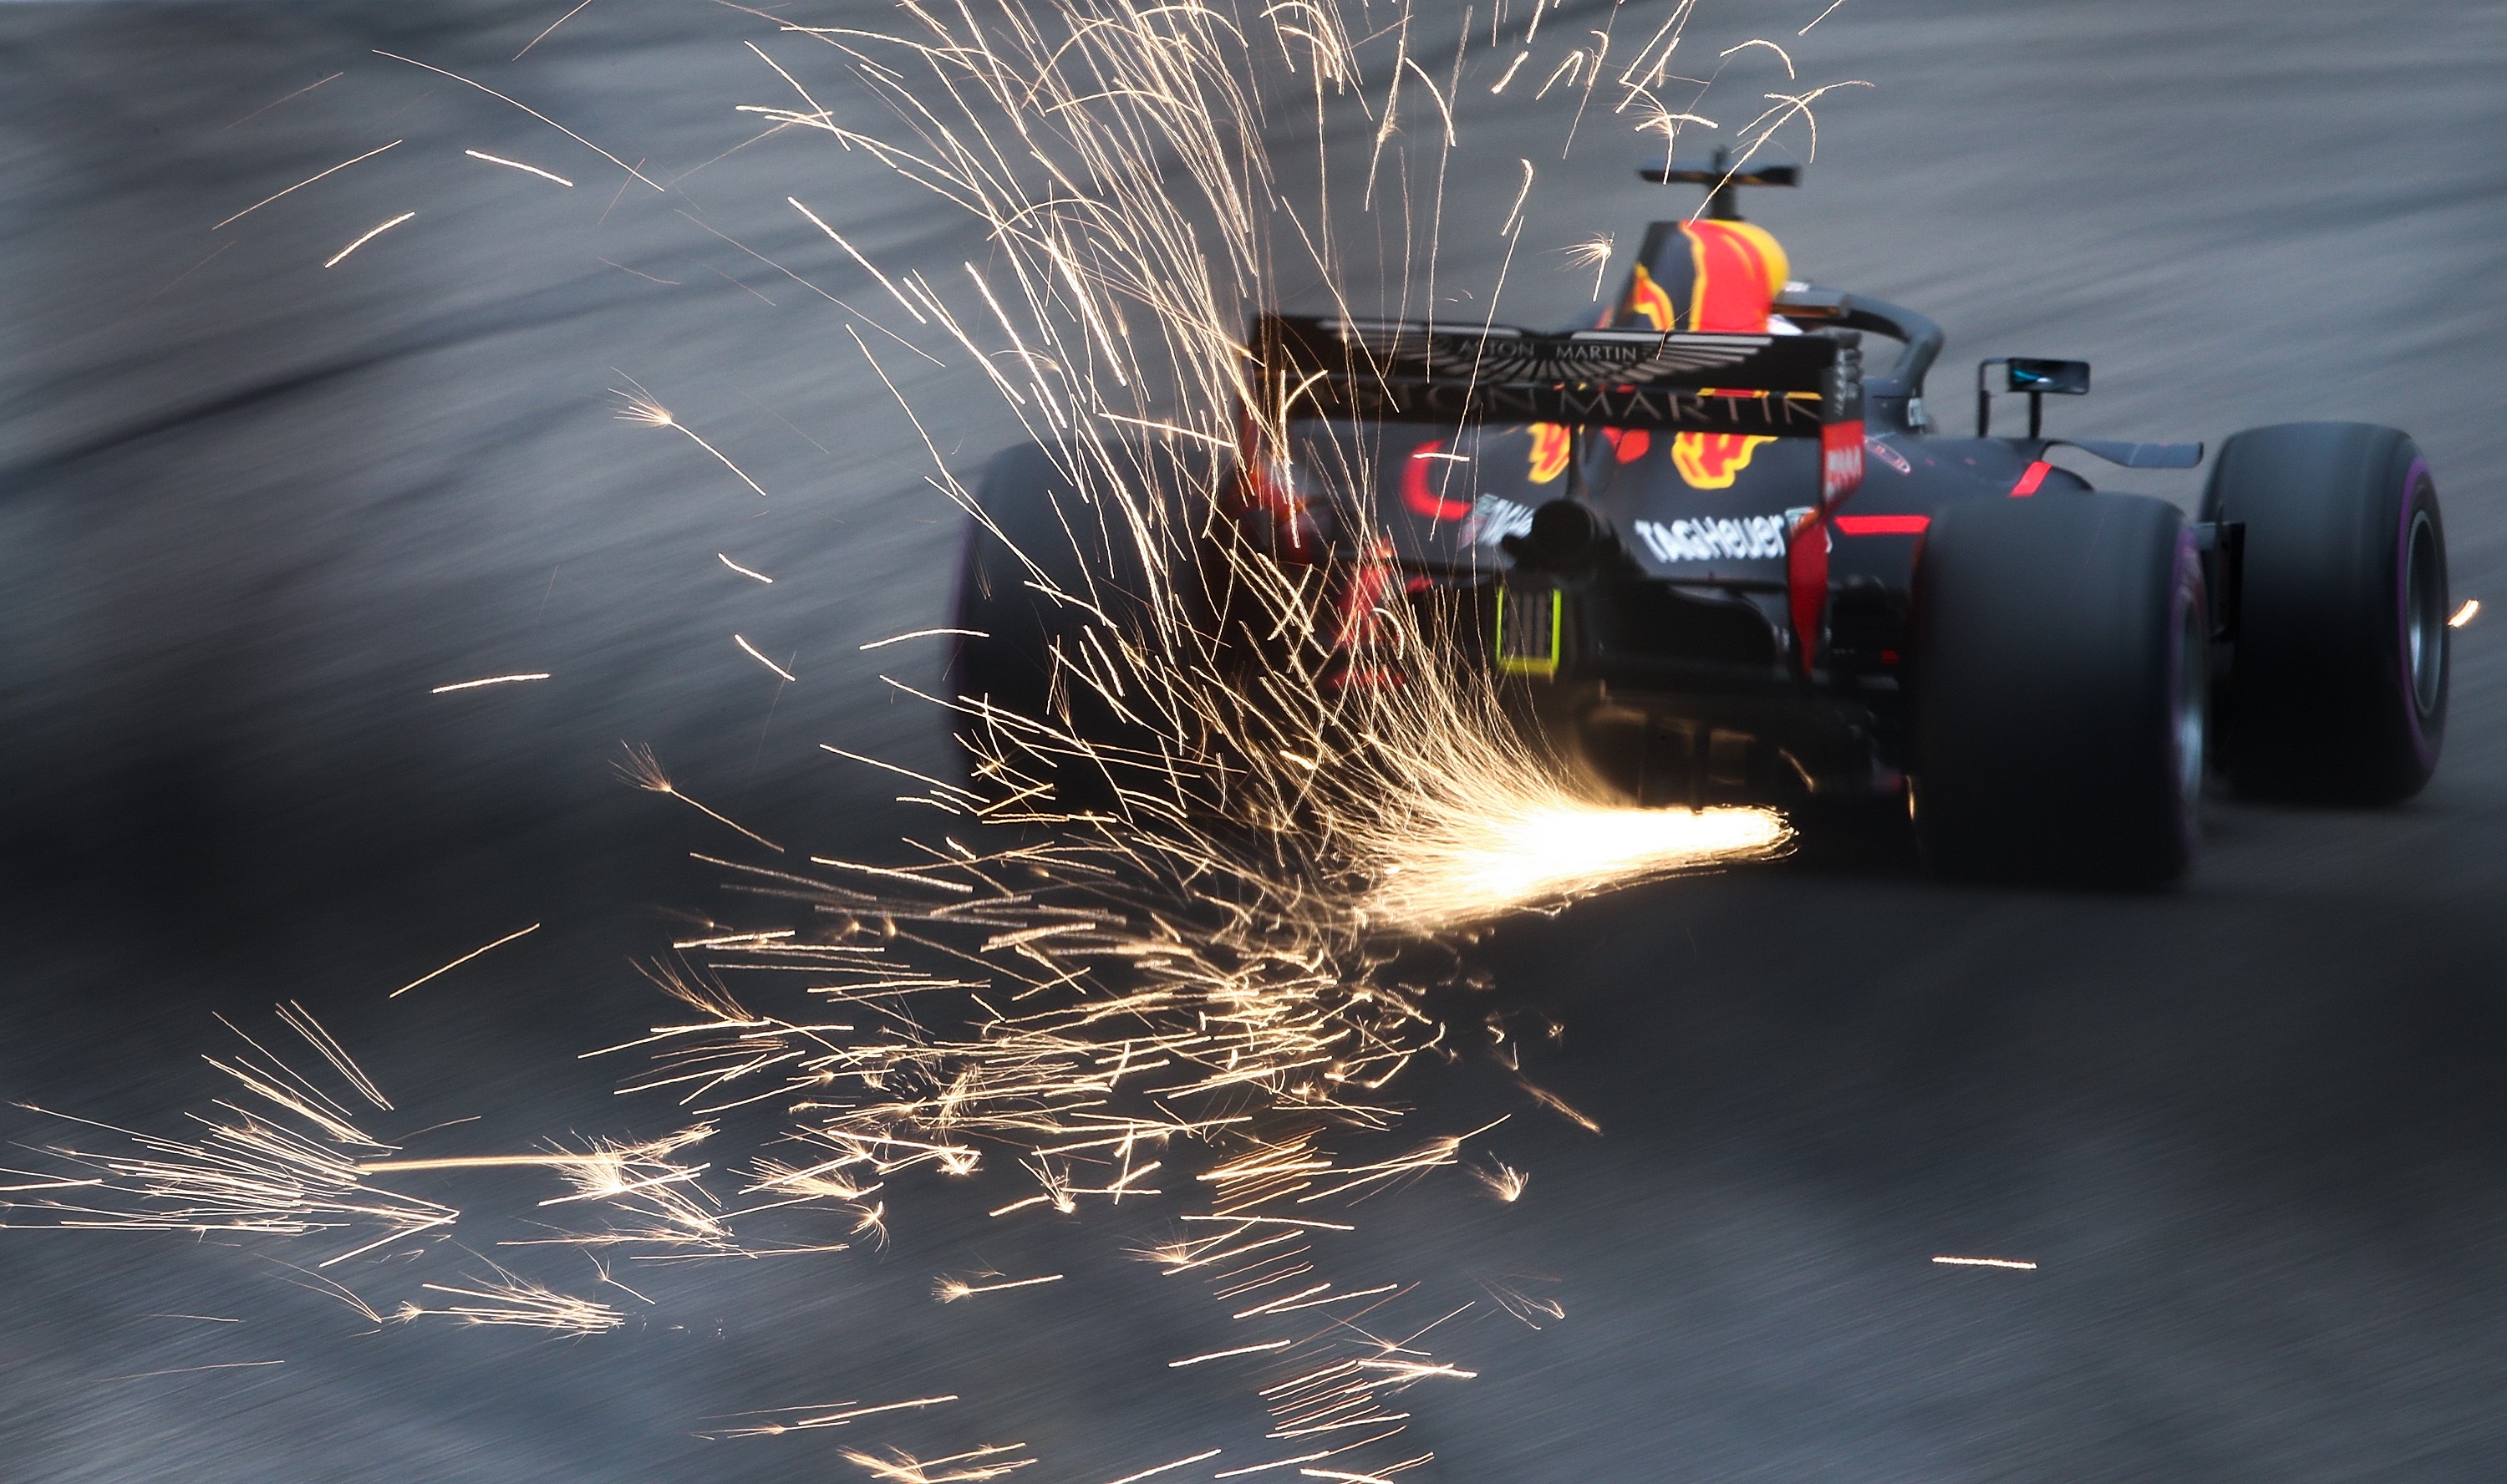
x: 1411, y: 371
x: 1501, y: 355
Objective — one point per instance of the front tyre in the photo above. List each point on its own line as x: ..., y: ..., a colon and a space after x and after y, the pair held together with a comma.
x: 2339, y: 687
x: 2061, y: 686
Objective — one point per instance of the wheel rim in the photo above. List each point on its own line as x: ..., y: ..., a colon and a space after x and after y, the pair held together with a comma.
x: 2423, y: 615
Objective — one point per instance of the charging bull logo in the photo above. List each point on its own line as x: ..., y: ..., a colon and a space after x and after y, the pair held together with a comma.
x: 1712, y: 460
x: 1549, y: 448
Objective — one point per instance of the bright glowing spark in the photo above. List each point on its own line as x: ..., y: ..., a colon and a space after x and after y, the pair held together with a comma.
x: 638, y: 407
x: 507, y: 1300
x: 742, y: 570
x: 185, y: 1370
x: 835, y: 1414
x: 464, y: 959
x: 282, y: 1162
x: 1264, y: 1348
x: 972, y: 1467
x: 644, y: 770
x: 1504, y: 1180
x: 1327, y: 1226
x: 1822, y: 15
x: 372, y: 233
x: 1987, y: 1262
x: 1594, y: 254
x: 302, y: 184
x: 922, y: 634
x: 485, y: 1162
x: 1525, y: 850
x: 1134, y: 1478
x: 2470, y: 610
x: 1514, y: 212
x: 552, y: 29
x: 526, y: 108
x: 1557, y: 1104
x: 1761, y: 41
x: 1303, y: 1457
x: 288, y: 98
x: 516, y: 165
x: 855, y: 254
x: 472, y: 685
x: 750, y: 650
x: 951, y: 1289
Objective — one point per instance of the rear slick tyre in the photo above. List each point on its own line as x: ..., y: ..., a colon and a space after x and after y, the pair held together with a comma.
x: 1129, y: 561
x: 2338, y: 689
x: 1022, y: 647
x: 2060, y: 690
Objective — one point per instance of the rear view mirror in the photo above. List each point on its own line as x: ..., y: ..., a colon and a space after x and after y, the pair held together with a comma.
x: 2028, y: 374
x: 2033, y: 375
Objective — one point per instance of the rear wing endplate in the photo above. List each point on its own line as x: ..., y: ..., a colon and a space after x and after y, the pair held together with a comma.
x: 1412, y: 370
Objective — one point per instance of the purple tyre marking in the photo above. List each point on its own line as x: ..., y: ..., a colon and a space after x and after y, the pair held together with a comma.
x: 2186, y: 591
x: 2413, y: 477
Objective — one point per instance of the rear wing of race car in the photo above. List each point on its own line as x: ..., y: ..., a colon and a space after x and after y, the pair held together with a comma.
x: 1411, y: 371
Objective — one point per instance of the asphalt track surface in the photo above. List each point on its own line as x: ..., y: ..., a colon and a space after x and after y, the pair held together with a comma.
x: 252, y: 511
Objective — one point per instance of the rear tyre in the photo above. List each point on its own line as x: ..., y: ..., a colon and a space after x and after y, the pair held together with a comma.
x: 1029, y: 653
x: 2061, y: 685
x: 2338, y: 690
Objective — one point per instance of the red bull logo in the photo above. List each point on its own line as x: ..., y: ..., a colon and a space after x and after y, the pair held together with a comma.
x: 1712, y: 460
x: 1549, y: 447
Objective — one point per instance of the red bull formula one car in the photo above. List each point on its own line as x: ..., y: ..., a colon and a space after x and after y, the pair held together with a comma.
x: 1720, y: 561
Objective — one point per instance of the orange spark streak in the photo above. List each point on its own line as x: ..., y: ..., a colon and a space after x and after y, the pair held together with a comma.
x: 302, y: 184
x: 471, y: 686
x: 922, y: 634
x: 1241, y: 1349
x: 458, y: 962
x: 751, y: 651
x: 1133, y: 1478
x: 950, y: 1289
x: 516, y: 165
x: 526, y: 108
x: 372, y: 233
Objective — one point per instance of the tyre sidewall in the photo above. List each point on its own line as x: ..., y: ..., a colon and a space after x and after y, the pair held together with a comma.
x: 2051, y: 666
x: 2319, y: 702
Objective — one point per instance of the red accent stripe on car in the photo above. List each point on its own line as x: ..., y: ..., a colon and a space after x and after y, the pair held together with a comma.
x: 1806, y: 587
x: 2030, y: 478
x: 1883, y: 526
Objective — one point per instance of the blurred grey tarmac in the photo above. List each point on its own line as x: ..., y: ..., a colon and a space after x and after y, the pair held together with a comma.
x: 252, y: 511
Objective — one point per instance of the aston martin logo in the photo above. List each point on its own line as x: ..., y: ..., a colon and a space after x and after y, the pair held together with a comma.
x: 1499, y: 354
